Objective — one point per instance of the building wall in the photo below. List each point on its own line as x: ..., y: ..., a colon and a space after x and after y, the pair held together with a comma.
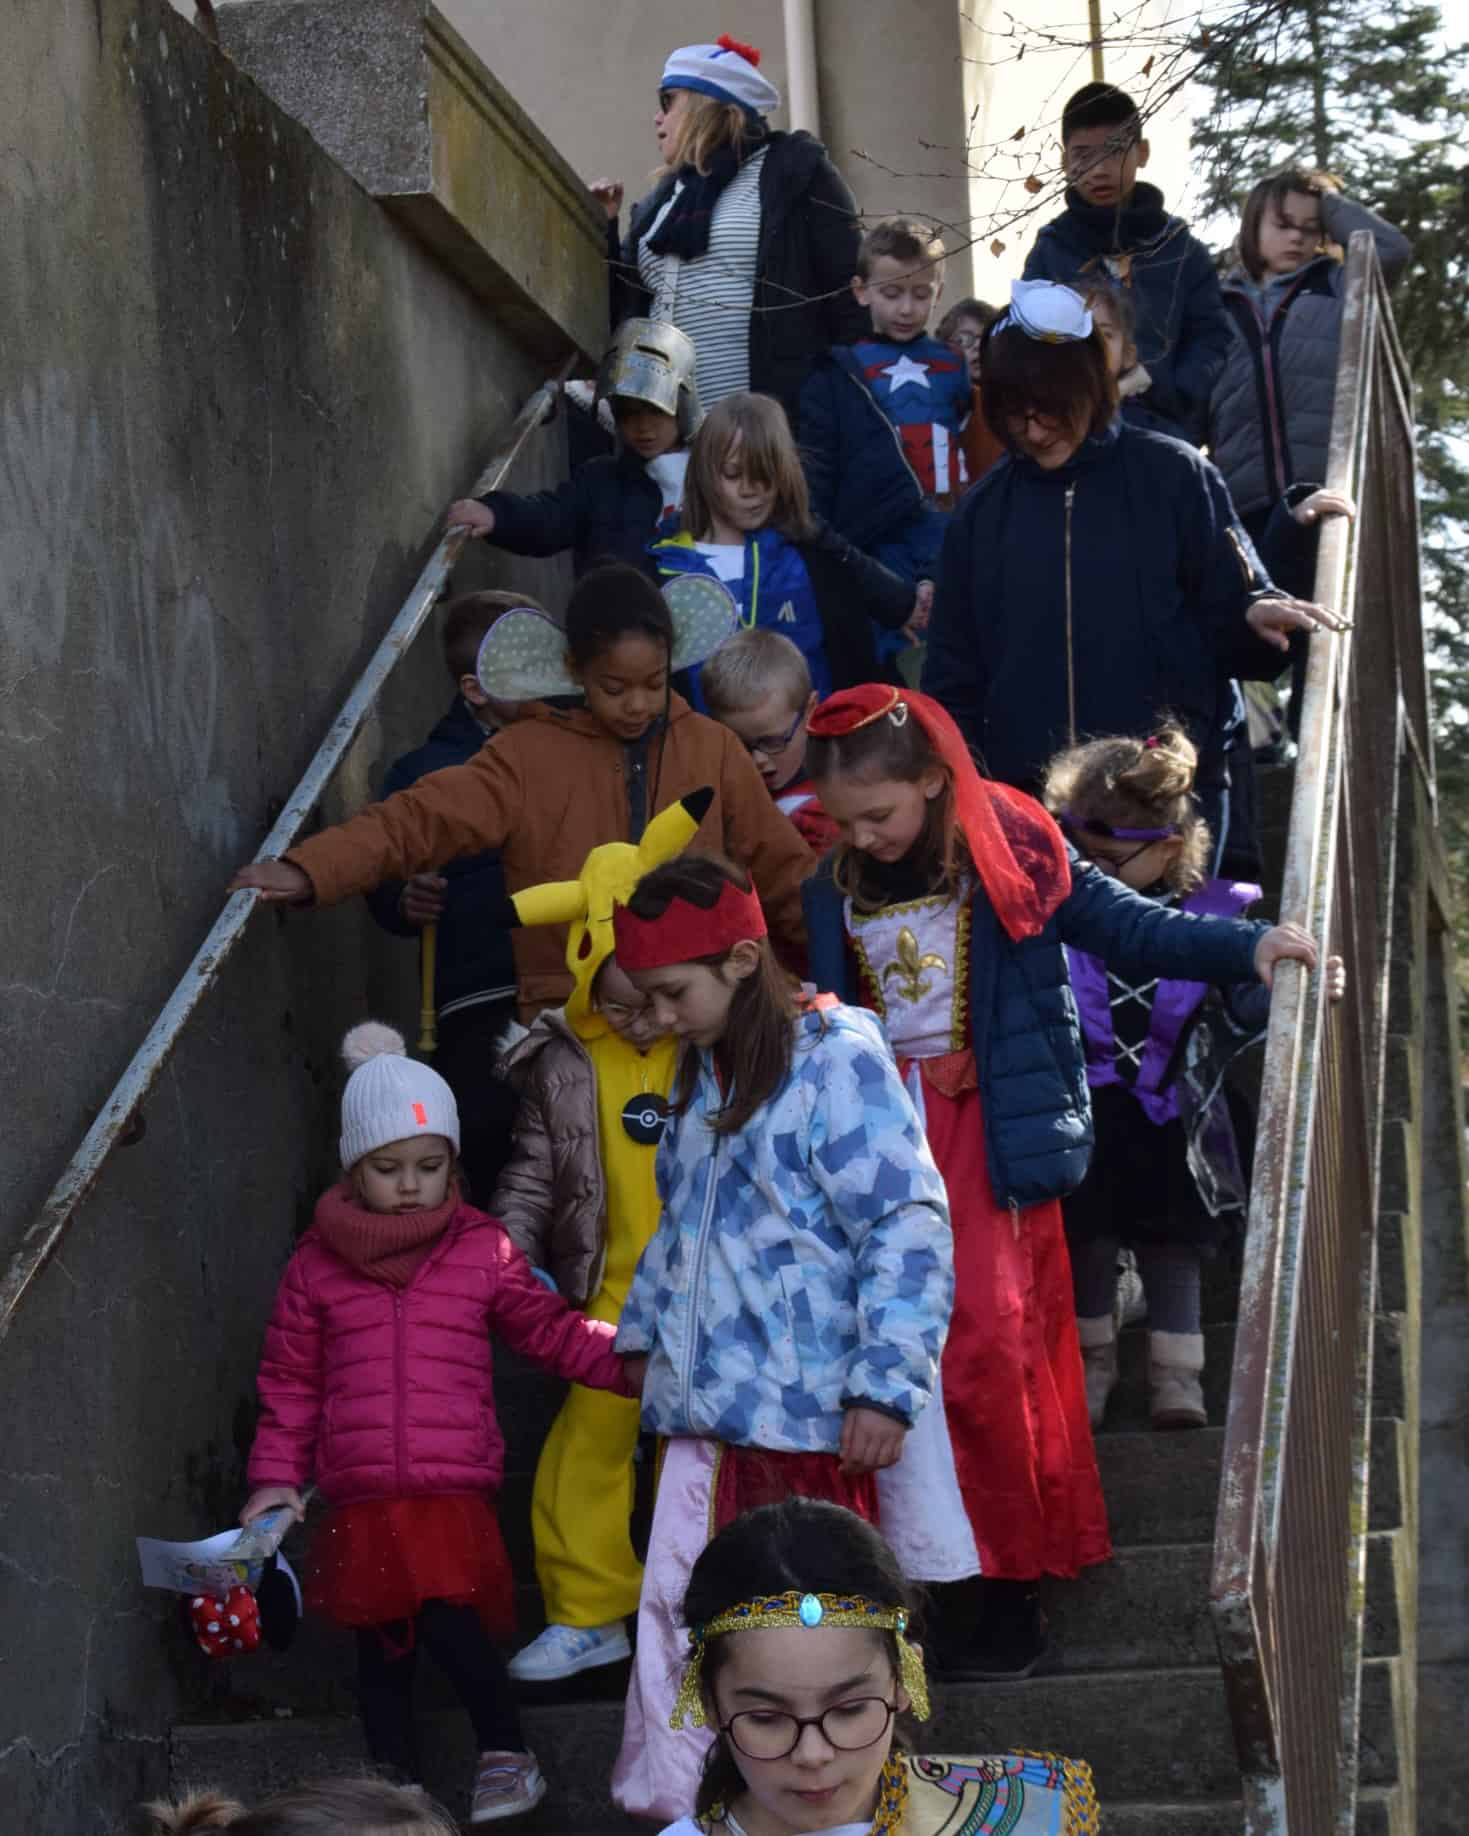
x: 234, y: 397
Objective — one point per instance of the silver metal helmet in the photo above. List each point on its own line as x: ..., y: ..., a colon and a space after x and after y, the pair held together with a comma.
x: 652, y: 361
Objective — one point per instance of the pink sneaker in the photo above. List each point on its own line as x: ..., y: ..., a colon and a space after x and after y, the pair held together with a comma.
x: 506, y: 1785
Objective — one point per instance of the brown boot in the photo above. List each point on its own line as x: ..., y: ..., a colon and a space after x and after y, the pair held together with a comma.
x: 1099, y: 1363
x: 1175, y: 1392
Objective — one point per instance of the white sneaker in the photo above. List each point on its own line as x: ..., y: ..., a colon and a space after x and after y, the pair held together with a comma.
x: 505, y: 1785
x: 562, y: 1651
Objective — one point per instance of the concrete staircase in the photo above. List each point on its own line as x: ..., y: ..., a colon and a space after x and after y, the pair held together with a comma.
x: 1138, y: 1693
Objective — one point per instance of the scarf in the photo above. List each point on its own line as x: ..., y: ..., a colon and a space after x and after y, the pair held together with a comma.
x: 684, y: 231
x: 386, y: 1246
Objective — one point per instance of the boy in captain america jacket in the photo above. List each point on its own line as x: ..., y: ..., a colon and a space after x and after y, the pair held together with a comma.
x: 881, y: 418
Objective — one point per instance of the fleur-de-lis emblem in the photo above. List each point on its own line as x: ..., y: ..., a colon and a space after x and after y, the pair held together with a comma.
x: 908, y: 966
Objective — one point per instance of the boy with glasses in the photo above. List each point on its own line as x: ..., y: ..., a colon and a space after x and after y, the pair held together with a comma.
x: 758, y: 685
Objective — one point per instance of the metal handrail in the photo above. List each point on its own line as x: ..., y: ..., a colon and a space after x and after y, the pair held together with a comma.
x: 116, y: 1117
x: 1288, y: 1580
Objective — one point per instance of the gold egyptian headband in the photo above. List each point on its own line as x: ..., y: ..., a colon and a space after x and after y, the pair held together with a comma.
x: 798, y: 1609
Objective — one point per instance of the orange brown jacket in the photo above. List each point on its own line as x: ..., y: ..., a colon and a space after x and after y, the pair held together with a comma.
x: 547, y: 790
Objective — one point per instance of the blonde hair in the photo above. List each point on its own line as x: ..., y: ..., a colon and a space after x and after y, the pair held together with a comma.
x: 901, y: 239
x: 334, y: 1807
x: 751, y: 665
x: 757, y: 424
x: 1137, y: 784
x: 707, y: 125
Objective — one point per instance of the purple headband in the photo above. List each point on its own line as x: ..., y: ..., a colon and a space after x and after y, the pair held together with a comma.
x: 1093, y: 825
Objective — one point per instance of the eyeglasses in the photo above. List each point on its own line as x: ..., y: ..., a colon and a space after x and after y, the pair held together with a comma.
x: 965, y: 340
x: 772, y: 743
x: 665, y: 100
x: 1098, y: 829
x: 764, y: 1734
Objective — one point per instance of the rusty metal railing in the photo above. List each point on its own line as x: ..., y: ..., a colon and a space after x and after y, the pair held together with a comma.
x: 118, y: 1113
x: 1289, y: 1577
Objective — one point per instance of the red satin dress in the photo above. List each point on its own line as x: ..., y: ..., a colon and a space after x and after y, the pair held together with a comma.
x: 1014, y: 1390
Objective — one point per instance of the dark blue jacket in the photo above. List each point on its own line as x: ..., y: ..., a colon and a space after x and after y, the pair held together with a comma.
x: 1028, y: 1046
x: 1161, y: 576
x: 607, y: 510
x: 473, y: 962
x: 1183, y: 331
x: 861, y: 481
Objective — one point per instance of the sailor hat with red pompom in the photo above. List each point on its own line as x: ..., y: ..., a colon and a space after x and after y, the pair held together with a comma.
x: 727, y: 70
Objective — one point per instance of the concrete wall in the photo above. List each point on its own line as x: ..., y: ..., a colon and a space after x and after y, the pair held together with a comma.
x: 233, y: 397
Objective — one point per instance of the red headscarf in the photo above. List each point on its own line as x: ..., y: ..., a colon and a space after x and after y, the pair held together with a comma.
x: 1017, y: 850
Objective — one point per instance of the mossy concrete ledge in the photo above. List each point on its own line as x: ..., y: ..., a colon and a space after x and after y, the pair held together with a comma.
x: 394, y: 94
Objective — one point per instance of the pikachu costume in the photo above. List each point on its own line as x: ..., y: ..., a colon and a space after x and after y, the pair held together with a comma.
x: 579, y: 1197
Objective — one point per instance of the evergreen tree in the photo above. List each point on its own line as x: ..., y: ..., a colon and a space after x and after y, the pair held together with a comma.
x: 1373, y: 92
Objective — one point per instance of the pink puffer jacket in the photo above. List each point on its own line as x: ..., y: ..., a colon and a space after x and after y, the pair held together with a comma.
x: 379, y: 1391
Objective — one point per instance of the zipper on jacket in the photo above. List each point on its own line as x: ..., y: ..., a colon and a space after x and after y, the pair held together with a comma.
x: 1070, y: 644
x: 400, y: 1386
x: 897, y: 438
x: 696, y: 1278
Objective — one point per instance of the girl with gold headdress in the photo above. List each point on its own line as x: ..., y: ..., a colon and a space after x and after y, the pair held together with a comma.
x: 802, y: 1660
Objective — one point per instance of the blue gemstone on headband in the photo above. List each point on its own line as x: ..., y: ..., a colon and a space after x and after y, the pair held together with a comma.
x: 810, y: 1610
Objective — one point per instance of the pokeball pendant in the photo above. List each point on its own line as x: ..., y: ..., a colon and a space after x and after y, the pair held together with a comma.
x: 645, y: 1117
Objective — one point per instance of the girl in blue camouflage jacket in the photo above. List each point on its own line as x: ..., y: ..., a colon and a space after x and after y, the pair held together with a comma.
x: 793, y: 1303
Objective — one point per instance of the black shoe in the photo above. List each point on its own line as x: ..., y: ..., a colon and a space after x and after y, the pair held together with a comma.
x: 1012, y: 1641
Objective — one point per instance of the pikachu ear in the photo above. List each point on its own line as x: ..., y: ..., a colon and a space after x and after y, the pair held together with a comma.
x: 671, y: 831
x: 555, y: 902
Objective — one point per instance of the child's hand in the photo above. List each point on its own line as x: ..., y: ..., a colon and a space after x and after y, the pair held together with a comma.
x: 469, y: 513
x: 1334, y: 978
x: 635, y: 1369
x: 1285, y: 943
x: 1323, y: 503
x: 608, y: 193
x: 422, y: 898
x: 275, y: 881
x: 1274, y: 619
x: 870, y: 1440
x: 269, y: 1498
x: 922, y: 606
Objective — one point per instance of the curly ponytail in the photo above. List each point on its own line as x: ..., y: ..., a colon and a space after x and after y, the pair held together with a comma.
x: 1136, y: 784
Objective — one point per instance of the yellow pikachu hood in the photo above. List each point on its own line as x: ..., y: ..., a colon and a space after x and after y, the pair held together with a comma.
x: 584, y: 905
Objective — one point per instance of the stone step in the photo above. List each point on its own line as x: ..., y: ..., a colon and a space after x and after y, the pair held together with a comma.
x: 1161, y: 1486
x: 1153, y: 1738
x: 1147, y: 1607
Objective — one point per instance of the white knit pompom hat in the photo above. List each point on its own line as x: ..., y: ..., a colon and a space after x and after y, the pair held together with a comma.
x: 726, y: 70
x: 390, y: 1096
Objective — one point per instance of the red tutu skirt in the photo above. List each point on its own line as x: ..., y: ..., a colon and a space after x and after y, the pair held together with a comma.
x: 376, y: 1562
x: 747, y: 1477
x: 1014, y: 1391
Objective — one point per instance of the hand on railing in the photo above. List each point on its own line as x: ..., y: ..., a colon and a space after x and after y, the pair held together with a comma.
x: 1323, y: 503
x: 271, y: 1498
x: 277, y: 882
x: 1283, y: 943
x: 1275, y: 619
x: 469, y: 513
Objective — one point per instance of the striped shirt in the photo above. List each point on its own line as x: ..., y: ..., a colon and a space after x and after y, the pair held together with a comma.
x: 710, y: 298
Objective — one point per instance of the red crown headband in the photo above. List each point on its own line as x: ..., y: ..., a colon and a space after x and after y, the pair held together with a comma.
x: 1009, y: 851
x: 686, y: 931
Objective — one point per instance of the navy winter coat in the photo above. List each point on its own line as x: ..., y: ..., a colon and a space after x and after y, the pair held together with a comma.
x: 861, y: 481
x: 1028, y: 1047
x: 607, y: 510
x: 804, y: 263
x: 474, y: 961
x: 1135, y: 544
x: 1182, y: 329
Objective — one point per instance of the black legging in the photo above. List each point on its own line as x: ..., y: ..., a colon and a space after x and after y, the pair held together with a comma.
x: 460, y: 1646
